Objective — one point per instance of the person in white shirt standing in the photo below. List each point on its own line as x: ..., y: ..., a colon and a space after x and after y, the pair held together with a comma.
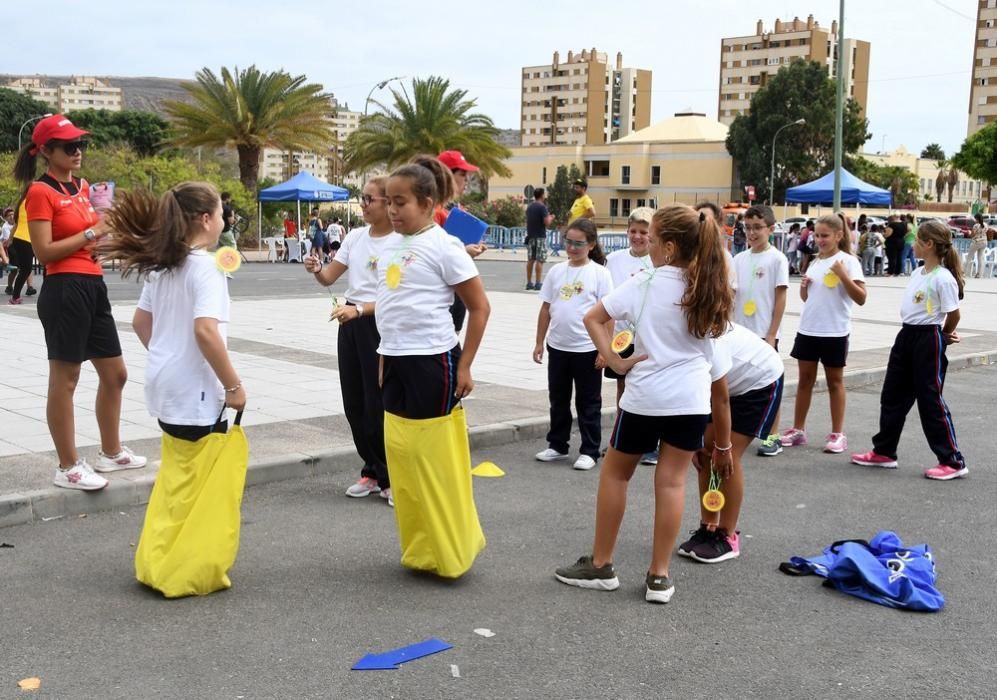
x: 570, y: 289
x: 916, y: 370
x: 357, y: 341
x: 833, y: 281
x: 762, y: 274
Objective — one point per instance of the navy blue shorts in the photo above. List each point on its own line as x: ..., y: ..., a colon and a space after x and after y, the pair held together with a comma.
x: 635, y: 434
x: 753, y: 413
x: 830, y: 352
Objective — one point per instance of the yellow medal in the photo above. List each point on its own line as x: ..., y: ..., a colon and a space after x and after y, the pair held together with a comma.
x: 227, y: 258
x: 831, y: 280
x: 567, y: 291
x: 622, y: 340
x: 929, y: 307
x: 393, y: 276
x: 713, y: 501
x: 750, y: 307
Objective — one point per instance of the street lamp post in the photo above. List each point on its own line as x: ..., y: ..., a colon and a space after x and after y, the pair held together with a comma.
x: 366, y: 103
x: 799, y: 121
x: 21, y: 130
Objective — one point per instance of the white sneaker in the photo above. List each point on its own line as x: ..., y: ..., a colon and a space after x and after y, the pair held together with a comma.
x: 80, y: 477
x: 550, y: 454
x: 584, y: 463
x: 362, y: 488
x: 386, y: 495
x: 126, y: 459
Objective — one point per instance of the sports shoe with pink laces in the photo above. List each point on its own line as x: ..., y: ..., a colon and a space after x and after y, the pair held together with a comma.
x: 871, y: 459
x: 836, y: 443
x: 364, y: 487
x: 943, y: 472
x: 793, y: 437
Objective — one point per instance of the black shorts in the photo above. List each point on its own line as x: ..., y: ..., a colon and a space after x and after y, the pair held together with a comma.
x: 635, y: 434
x: 610, y: 374
x: 76, y: 315
x: 753, y: 413
x: 420, y: 386
x: 831, y: 352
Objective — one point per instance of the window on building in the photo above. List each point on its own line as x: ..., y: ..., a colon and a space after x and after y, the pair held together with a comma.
x: 991, y: 42
x: 614, y: 207
x: 641, y: 203
x: 626, y: 208
x: 755, y: 80
x: 774, y: 60
x: 625, y: 174
x: 653, y: 203
x: 655, y: 174
x: 543, y: 176
x: 597, y: 168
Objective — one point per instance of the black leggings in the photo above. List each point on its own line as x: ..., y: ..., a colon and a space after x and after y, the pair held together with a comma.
x: 23, y: 257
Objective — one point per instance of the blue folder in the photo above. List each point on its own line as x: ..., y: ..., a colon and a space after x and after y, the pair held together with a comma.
x: 467, y: 227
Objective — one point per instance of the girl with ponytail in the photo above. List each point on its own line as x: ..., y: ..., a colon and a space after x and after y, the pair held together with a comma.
x: 916, y: 371
x: 674, y: 313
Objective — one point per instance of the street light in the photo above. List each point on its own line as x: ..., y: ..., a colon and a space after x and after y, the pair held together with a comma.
x: 21, y: 130
x: 379, y: 86
x: 799, y: 121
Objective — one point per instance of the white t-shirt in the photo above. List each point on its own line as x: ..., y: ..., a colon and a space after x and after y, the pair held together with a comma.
x: 675, y: 379
x: 731, y: 272
x: 754, y: 364
x: 758, y: 276
x: 360, y: 252
x: 180, y: 386
x: 414, y: 317
x: 937, y: 289
x: 5, y: 232
x: 827, y: 312
x: 623, y: 265
x: 333, y: 235
x: 571, y: 292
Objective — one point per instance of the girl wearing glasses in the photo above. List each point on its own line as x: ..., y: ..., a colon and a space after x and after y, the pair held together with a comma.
x: 358, y: 257
x: 73, y: 305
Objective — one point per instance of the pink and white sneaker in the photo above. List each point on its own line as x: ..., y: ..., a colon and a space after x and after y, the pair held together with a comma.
x: 126, y: 459
x: 793, y: 437
x: 871, y: 459
x: 943, y: 472
x: 80, y: 477
x: 363, y: 488
x: 836, y: 443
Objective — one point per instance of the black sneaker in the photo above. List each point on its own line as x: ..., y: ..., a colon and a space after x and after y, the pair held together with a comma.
x: 584, y: 574
x: 698, y: 536
x: 9, y: 291
x: 719, y: 547
x: 31, y: 292
x: 660, y: 589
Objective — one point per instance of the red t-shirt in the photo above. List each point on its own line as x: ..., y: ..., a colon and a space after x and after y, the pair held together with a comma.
x: 67, y: 206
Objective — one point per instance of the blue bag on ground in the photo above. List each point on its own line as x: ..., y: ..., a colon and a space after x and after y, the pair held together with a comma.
x: 882, y: 570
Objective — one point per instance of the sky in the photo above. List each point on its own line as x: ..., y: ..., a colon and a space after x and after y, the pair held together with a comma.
x: 920, y: 64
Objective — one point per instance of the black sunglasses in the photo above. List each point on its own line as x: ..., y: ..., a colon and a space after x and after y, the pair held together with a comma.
x: 71, y: 147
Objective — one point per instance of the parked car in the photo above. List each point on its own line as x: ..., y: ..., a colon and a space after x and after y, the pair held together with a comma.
x: 963, y: 223
x: 788, y: 223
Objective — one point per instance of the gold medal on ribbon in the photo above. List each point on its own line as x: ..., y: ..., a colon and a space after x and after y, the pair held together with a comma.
x: 929, y: 307
x: 750, y: 307
x: 227, y: 258
x: 713, y: 501
x: 622, y: 340
x: 831, y: 280
x: 567, y: 291
x: 393, y: 276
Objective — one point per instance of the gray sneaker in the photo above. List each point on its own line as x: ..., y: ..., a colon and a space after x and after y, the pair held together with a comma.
x: 584, y: 574
x: 770, y: 447
x: 659, y: 589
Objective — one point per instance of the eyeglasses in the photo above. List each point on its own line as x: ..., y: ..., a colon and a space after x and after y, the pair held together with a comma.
x: 71, y: 147
x: 756, y: 229
x: 367, y: 199
x: 575, y: 244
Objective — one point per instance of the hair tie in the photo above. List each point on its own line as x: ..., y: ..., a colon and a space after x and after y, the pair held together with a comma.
x: 702, y: 216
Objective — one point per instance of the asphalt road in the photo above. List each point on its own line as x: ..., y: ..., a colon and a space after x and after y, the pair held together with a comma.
x: 318, y: 585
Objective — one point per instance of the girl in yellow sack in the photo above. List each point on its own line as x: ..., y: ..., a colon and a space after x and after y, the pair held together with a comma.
x: 191, y: 531
x: 425, y: 373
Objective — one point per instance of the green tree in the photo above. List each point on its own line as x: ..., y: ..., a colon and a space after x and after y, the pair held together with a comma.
x: 560, y: 194
x: 146, y: 132
x: 805, y: 152
x: 902, y: 183
x: 15, y: 109
x: 434, y: 119
x: 978, y: 156
x: 249, y: 110
x: 933, y: 152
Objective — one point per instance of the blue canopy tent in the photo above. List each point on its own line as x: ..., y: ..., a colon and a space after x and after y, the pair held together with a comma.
x: 853, y: 191
x: 303, y: 187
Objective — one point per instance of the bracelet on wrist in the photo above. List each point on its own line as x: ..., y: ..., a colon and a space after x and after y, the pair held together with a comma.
x: 723, y: 449
x: 232, y: 390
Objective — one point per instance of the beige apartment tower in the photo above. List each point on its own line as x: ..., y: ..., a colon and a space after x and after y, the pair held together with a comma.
x: 983, y: 93
x: 747, y: 62
x: 583, y: 100
x: 79, y: 93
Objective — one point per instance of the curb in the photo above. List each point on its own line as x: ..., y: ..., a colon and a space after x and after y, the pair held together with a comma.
x: 56, y: 503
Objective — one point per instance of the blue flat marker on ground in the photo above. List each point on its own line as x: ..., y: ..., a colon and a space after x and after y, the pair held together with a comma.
x: 392, y: 660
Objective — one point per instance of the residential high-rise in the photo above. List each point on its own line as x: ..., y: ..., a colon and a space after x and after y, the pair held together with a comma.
x: 747, y: 62
x: 79, y: 93
x: 983, y: 92
x: 583, y: 100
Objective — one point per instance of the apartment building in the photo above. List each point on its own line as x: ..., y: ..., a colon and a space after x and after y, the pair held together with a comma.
x: 79, y: 93
x: 983, y: 92
x: 583, y: 100
x: 747, y: 62
x: 965, y: 191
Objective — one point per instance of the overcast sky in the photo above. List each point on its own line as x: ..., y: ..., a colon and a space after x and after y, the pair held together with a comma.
x: 920, y: 72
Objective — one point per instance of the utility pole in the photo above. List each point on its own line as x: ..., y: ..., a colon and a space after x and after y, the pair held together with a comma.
x: 839, y: 108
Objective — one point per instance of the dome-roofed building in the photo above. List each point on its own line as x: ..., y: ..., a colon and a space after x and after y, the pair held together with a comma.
x: 684, y: 127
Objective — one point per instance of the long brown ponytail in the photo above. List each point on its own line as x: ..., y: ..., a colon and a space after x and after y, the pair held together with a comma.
x: 938, y: 233
x: 150, y: 235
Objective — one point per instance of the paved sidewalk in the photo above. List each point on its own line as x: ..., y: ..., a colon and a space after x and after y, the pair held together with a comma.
x: 284, y: 350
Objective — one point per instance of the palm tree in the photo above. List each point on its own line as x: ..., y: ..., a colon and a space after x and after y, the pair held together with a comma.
x: 251, y: 110
x: 433, y: 120
x: 951, y: 179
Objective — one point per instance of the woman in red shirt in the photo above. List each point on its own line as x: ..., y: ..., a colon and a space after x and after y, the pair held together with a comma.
x: 73, y: 305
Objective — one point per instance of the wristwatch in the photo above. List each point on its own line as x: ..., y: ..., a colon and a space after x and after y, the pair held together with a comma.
x: 90, y: 234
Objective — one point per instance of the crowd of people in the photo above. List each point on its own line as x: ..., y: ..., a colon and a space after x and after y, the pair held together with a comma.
x: 689, y: 333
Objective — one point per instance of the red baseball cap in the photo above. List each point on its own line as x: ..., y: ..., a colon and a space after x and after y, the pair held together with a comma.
x: 455, y: 160
x: 54, y: 127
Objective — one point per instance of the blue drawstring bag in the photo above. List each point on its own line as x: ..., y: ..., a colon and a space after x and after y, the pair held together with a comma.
x: 882, y: 570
